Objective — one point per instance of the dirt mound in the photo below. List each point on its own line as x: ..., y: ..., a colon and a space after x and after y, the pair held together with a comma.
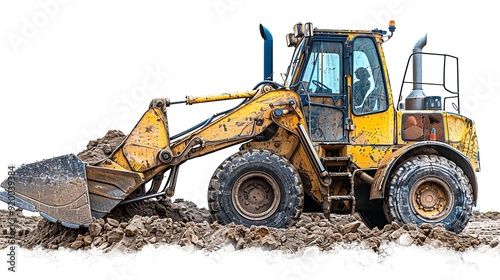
x: 101, y: 148
x: 180, y: 222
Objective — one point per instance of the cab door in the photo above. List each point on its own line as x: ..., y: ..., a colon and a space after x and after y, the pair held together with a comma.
x: 371, y: 125
x: 322, y: 90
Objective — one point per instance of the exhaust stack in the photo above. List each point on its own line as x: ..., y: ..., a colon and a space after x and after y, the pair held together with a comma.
x: 268, y: 52
x: 415, y: 100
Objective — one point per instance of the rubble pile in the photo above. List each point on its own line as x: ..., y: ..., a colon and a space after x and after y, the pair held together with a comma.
x: 182, y: 223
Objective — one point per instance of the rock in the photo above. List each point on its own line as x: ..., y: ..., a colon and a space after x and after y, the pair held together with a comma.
x: 492, y: 215
x: 323, y: 224
x: 261, y: 232
x: 405, y: 239
x: 76, y: 245
x: 80, y: 237
x: 91, y: 144
x: 95, y: 229
x: 310, y: 225
x: 351, y: 227
x: 113, y: 222
x: 115, y: 236
x: 396, y: 234
x: 101, y: 221
x: 87, y: 240
x: 387, y: 228
x: 130, y: 231
x: 494, y: 243
x: 283, y: 238
x: 269, y: 242
x: 351, y: 236
x: 151, y: 219
x: 300, y: 223
x: 436, y: 244
x: 98, y: 241
x: 337, y: 237
x: 395, y: 226
x: 189, y: 238
x: 104, y: 246
x: 106, y: 148
x: 108, y: 227
x: 371, y: 243
x: 153, y: 240
x: 426, y: 226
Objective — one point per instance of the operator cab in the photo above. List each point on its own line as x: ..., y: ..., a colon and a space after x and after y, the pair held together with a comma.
x: 325, y: 67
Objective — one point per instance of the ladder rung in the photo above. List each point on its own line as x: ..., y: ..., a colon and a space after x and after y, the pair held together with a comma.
x: 341, y: 197
x: 335, y: 159
x: 339, y: 174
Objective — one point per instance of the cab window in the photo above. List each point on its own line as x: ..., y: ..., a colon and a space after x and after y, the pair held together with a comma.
x: 323, y: 69
x: 368, y: 90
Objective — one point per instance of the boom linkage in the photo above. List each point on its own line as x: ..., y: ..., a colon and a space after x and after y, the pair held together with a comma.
x: 244, y: 123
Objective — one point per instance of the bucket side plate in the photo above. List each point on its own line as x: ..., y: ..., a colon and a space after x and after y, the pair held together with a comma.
x: 55, y: 187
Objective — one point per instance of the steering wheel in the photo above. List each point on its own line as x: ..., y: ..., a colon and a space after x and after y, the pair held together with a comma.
x: 319, y: 85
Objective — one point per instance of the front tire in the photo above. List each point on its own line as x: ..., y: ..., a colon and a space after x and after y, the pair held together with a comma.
x: 256, y: 187
x: 429, y: 189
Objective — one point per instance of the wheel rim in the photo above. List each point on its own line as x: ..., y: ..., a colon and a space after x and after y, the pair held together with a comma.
x: 431, y: 199
x: 256, y: 196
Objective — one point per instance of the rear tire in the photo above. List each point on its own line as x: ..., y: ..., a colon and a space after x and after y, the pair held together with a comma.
x: 429, y: 189
x: 256, y: 187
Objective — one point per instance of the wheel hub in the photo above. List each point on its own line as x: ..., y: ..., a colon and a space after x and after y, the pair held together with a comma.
x: 256, y: 196
x: 431, y: 199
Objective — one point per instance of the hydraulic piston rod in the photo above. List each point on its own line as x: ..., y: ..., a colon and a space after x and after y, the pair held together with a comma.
x: 225, y: 96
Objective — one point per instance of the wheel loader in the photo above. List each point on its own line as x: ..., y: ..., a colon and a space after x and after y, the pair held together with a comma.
x: 330, y: 138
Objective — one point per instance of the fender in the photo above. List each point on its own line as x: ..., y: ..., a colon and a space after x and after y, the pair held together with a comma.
x: 391, y: 161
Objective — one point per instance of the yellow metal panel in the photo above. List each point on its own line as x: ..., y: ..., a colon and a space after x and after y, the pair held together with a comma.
x: 120, y: 159
x: 368, y: 156
x: 462, y: 135
x: 373, y: 129
x: 146, y: 140
x: 113, y: 165
x: 151, y: 130
x: 386, y: 71
x: 312, y: 183
x: 282, y: 143
x: 399, y: 135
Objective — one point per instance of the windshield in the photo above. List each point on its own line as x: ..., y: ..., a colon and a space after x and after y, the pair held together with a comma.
x: 322, y: 71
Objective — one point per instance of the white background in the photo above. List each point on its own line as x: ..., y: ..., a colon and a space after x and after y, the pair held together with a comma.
x: 71, y: 70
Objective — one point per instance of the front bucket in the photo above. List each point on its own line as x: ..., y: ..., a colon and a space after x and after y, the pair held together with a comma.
x: 57, y: 188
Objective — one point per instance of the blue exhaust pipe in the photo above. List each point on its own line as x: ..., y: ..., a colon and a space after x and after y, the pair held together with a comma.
x: 268, y: 52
